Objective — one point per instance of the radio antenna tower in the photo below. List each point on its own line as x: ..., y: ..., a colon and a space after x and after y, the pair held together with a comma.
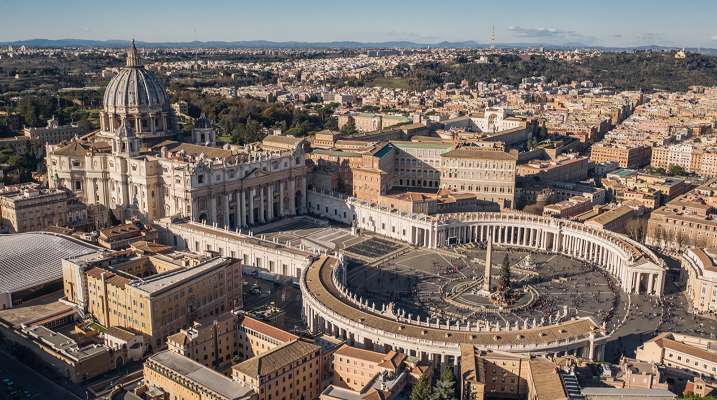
x: 492, y: 38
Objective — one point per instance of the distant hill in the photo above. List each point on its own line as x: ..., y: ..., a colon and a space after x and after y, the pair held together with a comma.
x: 256, y: 44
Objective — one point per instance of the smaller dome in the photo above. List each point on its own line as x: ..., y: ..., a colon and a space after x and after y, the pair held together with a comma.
x: 202, y: 122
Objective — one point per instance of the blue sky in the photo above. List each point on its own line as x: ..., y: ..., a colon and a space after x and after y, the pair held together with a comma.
x: 593, y: 22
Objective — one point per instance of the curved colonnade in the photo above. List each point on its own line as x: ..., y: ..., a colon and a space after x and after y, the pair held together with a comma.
x: 328, y: 307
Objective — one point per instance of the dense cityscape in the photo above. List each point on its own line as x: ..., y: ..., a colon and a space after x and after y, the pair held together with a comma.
x: 345, y: 222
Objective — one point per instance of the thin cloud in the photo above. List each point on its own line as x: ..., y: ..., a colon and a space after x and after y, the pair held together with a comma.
x: 541, y: 32
x: 551, y: 34
x: 652, y: 38
x: 714, y: 37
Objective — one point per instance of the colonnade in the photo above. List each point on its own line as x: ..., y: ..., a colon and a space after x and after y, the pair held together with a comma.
x: 638, y: 270
x: 254, y: 205
x: 357, y: 330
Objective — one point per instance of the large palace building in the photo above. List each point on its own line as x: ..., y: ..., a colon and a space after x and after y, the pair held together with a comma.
x: 132, y: 168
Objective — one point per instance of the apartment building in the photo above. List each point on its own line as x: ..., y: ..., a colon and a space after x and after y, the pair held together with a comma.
x: 152, y: 295
x: 29, y: 207
x: 688, y: 220
x: 169, y: 375
x: 365, y: 374
x: 701, y: 266
x: 681, y: 355
x: 489, y: 174
x: 627, y: 156
x: 287, y: 372
x: 564, y: 169
x: 491, y: 374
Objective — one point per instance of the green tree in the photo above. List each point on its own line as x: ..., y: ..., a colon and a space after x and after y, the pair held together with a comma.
x: 349, y: 128
x: 445, y: 388
x: 421, y: 390
x: 676, y: 170
x: 504, y: 276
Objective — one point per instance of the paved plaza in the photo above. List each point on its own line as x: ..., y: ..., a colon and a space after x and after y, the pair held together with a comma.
x: 386, y: 271
x: 417, y: 281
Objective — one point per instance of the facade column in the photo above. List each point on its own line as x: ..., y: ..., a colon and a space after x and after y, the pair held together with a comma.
x: 242, y: 208
x: 252, y: 193
x: 226, y: 209
x: 281, y: 198
x: 651, y: 284
x: 237, y: 210
x: 530, y: 237
x: 292, y: 197
x: 213, y: 208
x: 270, y: 202
x: 262, y: 205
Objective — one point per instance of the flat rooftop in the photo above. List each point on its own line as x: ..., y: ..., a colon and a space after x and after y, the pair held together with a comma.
x: 158, y: 283
x: 203, y: 376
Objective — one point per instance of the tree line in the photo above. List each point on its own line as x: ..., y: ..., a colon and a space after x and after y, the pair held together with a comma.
x: 248, y: 120
x: 622, y: 71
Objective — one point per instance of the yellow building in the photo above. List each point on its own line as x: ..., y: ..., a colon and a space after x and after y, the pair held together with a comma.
x: 173, y: 376
x: 212, y: 343
x: 492, y: 374
x: 702, y: 278
x: 365, y: 374
x: 627, y: 156
x: 161, y: 304
x: 289, y: 372
x: 681, y: 355
x: 489, y: 174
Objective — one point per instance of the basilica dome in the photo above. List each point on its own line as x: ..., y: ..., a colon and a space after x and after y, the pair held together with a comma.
x: 136, y: 96
x: 134, y: 88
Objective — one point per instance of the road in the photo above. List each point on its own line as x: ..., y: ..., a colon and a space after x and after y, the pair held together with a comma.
x: 26, y: 378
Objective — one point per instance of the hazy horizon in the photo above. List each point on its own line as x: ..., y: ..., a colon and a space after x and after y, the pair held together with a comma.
x: 608, y: 23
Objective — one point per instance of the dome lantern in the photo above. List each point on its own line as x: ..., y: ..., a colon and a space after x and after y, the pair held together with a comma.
x: 133, y: 59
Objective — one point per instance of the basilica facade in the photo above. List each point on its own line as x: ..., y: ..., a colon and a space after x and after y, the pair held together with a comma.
x: 134, y: 168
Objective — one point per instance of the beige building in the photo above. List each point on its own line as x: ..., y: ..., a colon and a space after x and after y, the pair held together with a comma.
x: 634, y: 374
x: 152, y: 295
x: 291, y: 371
x: 568, y: 208
x: 627, y: 156
x: 29, y: 207
x: 168, y: 375
x: 220, y: 341
x: 53, y: 133
x: 702, y: 278
x: 487, y: 173
x: 212, y: 342
x: 681, y: 355
x: 564, y: 169
x: 121, y: 236
x: 365, y: 374
x: 255, y: 253
x: 366, y: 122
x: 492, y: 374
x: 688, y: 220
x: 614, y: 219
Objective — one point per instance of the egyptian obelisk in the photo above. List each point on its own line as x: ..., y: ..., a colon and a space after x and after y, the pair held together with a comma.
x: 488, y: 265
